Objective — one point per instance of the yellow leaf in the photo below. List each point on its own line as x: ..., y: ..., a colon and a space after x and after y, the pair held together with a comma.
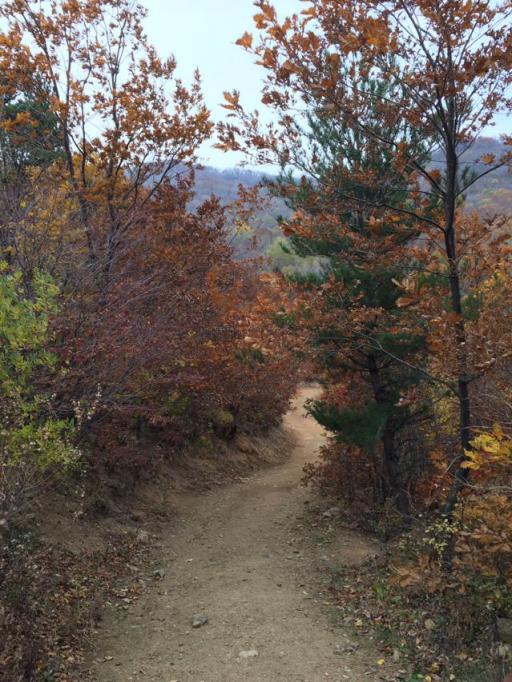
x: 498, y: 431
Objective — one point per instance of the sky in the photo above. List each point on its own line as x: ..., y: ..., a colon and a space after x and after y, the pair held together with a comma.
x: 202, y: 34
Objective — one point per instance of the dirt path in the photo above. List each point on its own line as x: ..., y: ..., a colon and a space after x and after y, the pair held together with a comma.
x: 236, y: 555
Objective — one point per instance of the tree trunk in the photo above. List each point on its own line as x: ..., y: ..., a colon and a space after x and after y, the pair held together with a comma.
x: 461, y: 475
x: 391, y: 460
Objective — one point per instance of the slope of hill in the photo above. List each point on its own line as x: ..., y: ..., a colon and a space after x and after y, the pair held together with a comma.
x: 493, y: 193
x: 490, y: 195
x: 224, y: 184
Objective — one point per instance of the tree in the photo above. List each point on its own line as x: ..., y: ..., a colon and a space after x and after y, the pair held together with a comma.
x: 451, y: 61
x: 153, y: 308
x: 362, y: 338
x: 29, y: 143
x: 29, y: 134
x: 125, y: 121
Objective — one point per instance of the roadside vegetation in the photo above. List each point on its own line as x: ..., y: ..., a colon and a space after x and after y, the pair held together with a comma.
x: 128, y: 330
x: 408, y: 321
x: 135, y: 324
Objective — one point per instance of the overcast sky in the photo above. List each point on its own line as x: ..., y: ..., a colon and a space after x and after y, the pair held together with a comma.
x: 202, y: 33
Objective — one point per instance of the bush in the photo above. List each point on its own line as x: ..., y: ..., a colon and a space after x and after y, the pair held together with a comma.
x: 35, y: 445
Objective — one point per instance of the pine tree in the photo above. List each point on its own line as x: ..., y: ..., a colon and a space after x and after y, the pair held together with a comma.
x: 364, y: 342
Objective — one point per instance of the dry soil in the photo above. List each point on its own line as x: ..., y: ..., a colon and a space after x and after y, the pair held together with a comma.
x: 241, y: 555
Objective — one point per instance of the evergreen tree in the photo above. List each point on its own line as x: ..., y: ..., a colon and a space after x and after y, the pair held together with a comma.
x: 367, y: 345
x: 29, y: 133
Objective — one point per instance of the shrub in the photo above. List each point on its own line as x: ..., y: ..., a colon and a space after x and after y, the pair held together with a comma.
x: 35, y: 445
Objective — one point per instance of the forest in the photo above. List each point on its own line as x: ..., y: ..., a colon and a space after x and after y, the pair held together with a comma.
x: 152, y: 308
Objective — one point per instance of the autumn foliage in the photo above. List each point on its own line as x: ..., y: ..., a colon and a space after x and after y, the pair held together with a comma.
x: 159, y: 332
x: 375, y: 105
x: 127, y: 328
x: 380, y: 87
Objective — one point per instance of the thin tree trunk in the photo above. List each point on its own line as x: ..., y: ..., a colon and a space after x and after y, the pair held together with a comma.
x: 461, y: 475
x: 391, y: 461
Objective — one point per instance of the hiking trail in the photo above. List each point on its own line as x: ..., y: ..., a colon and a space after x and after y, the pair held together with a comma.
x: 239, y: 555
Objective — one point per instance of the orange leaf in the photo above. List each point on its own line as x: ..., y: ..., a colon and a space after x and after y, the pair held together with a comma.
x: 245, y: 41
x: 405, y: 301
x: 232, y: 99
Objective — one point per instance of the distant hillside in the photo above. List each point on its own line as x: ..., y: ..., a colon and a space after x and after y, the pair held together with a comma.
x: 224, y: 184
x: 492, y: 194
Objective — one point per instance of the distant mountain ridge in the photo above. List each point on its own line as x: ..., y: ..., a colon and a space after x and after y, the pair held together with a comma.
x: 493, y: 193
x: 224, y: 182
x: 490, y: 195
